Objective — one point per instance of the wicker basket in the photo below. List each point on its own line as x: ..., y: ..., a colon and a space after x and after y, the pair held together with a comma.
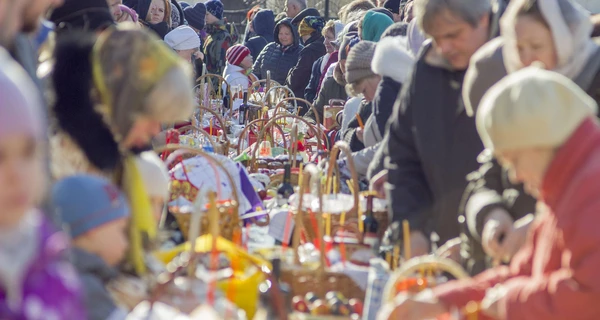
x: 220, y: 147
x: 228, y: 208
x: 215, y: 88
x: 320, y: 280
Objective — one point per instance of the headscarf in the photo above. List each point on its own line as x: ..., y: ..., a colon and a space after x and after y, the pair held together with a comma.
x: 374, y: 24
x: 175, y: 16
x: 571, y: 30
x: 310, y: 25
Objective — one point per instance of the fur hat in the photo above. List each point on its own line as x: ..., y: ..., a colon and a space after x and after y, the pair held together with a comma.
x: 215, y: 7
x: 532, y: 108
x: 358, y: 64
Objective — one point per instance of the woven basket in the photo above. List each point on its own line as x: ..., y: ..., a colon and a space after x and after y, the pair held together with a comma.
x: 213, y: 81
x: 220, y: 147
x: 254, y: 128
x: 228, y: 208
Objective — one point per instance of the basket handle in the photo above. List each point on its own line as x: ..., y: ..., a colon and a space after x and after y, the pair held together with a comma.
x: 343, y: 147
x: 201, y: 131
x: 221, y: 81
x: 249, y: 127
x: 222, y: 123
x: 308, y: 104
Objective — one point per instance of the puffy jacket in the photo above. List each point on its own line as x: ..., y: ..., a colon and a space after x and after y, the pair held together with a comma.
x: 299, y: 76
x: 277, y: 59
x: 264, y: 25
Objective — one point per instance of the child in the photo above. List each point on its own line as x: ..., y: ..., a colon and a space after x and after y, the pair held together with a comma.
x: 542, y: 127
x: 96, y: 215
x: 218, y: 40
x: 156, y: 180
x: 238, y: 71
x: 36, y: 281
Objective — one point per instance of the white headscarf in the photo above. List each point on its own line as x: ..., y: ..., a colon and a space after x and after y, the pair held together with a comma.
x: 571, y: 30
x: 183, y: 38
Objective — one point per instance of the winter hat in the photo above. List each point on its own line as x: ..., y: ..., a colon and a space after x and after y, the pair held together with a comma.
x: 184, y: 4
x: 236, y: 54
x: 215, y: 7
x: 183, y: 38
x: 395, y: 30
x: 311, y: 24
x: 175, y: 16
x: 348, y: 42
x: 88, y: 15
x: 86, y: 202
x: 392, y: 5
x: 196, y: 15
x: 19, y: 108
x: 130, y: 12
x: 154, y: 174
x: 308, y: 12
x: 374, y: 24
x: 532, y: 108
x: 358, y: 65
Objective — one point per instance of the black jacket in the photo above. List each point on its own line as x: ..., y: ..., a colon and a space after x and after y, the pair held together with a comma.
x: 349, y: 135
x: 332, y: 88
x: 489, y: 188
x: 310, y: 93
x: 298, y: 78
x: 277, y: 60
x: 383, y: 104
x: 264, y: 26
x: 431, y: 146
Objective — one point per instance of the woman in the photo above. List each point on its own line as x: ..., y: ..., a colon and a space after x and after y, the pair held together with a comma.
x: 112, y: 97
x: 249, y: 33
x: 319, y: 69
x: 310, y: 30
x: 262, y: 26
x: 281, y: 56
x: 238, y: 71
x: 185, y: 42
x: 153, y: 14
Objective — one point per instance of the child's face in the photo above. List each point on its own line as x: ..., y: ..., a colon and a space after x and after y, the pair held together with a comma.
x: 158, y: 204
x: 109, y: 241
x: 21, y: 177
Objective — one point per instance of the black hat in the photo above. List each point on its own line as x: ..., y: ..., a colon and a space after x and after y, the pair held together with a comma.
x: 87, y: 15
x: 392, y: 5
x: 305, y: 13
x: 196, y: 15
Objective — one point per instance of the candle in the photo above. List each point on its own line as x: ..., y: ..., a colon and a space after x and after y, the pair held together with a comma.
x: 406, y: 231
x: 360, y: 122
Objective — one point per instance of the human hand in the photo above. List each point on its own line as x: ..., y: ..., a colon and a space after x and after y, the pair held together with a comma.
x: 515, y: 239
x: 377, y: 183
x: 360, y: 134
x: 496, y: 227
x: 411, y: 308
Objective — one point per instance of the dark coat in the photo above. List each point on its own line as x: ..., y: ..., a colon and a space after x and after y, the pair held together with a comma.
x: 299, y: 76
x: 264, y: 26
x: 431, y: 146
x: 332, y: 88
x: 383, y: 104
x: 349, y: 135
x: 277, y: 59
x: 489, y: 188
x: 310, y: 93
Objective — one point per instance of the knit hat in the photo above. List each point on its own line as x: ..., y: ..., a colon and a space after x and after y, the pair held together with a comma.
x: 183, y: 38
x: 349, y: 38
x: 392, y: 5
x: 19, y: 108
x: 358, y: 65
x: 184, y: 4
x: 532, y: 108
x: 86, y: 202
x: 311, y: 24
x: 196, y: 15
x: 374, y: 24
x: 236, y: 54
x: 215, y: 7
x: 88, y: 15
x: 154, y: 174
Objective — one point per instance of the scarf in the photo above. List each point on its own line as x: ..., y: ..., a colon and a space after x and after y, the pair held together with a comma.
x: 571, y: 30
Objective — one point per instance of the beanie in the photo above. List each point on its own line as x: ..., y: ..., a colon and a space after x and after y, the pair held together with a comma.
x: 19, y: 108
x: 88, y: 15
x: 358, y: 65
x: 184, y: 4
x: 196, y: 15
x: 236, y: 54
x: 154, y: 174
x: 215, y: 7
x: 86, y: 202
x: 183, y: 38
x: 392, y: 5
x: 350, y: 39
x: 532, y: 108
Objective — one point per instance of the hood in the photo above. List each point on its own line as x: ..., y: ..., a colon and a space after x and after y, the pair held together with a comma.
x: 305, y: 13
x: 374, y: 24
x: 393, y: 49
x: 287, y: 22
x: 264, y: 24
x: 88, y: 263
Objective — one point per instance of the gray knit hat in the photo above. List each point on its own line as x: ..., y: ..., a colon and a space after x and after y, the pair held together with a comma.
x: 358, y: 64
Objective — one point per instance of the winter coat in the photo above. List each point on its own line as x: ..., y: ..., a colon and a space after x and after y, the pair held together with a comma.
x: 298, y: 78
x: 555, y: 274
x: 349, y: 135
x: 310, y: 93
x: 332, y: 88
x: 95, y: 274
x: 235, y: 77
x: 277, y: 59
x: 489, y: 188
x: 215, y: 47
x: 264, y: 26
x: 432, y: 146
x: 48, y: 287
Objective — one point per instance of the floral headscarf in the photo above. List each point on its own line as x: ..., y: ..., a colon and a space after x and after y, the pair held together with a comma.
x: 311, y: 24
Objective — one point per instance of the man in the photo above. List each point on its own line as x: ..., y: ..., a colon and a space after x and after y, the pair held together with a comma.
x: 218, y: 40
x: 293, y: 7
x: 115, y: 10
x: 431, y: 143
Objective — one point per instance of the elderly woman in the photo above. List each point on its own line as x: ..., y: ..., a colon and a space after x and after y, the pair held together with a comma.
x: 279, y: 56
x: 112, y: 96
x: 185, y: 41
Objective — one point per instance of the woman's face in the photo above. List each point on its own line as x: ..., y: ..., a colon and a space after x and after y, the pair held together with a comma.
x: 285, y: 36
x: 21, y: 177
x: 367, y: 87
x: 535, y: 43
x: 142, y: 132
x: 157, y: 12
x: 247, y: 63
x: 329, y: 36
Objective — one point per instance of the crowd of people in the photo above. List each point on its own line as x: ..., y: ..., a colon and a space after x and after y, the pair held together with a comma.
x: 475, y: 119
